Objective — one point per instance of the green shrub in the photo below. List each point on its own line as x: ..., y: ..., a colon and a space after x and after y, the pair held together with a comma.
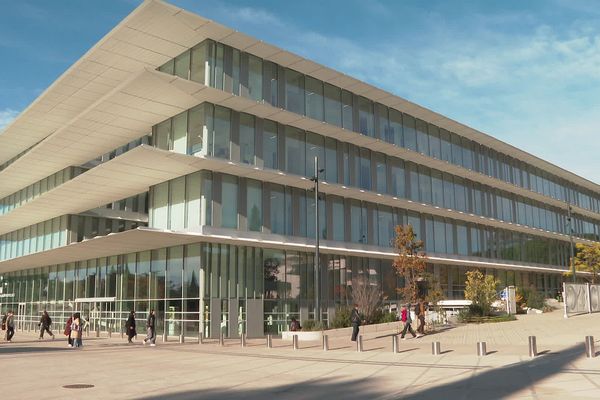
x: 531, y: 298
x: 387, y: 317
x: 475, y: 310
x: 312, y: 325
x: 341, y: 318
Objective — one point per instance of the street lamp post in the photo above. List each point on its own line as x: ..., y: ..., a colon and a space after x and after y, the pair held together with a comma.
x: 571, y: 252
x: 315, y: 179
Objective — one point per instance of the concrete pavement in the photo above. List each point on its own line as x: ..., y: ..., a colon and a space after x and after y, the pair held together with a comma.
x: 35, y: 370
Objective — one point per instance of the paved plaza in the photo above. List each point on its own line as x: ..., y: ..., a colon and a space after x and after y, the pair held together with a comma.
x: 33, y: 369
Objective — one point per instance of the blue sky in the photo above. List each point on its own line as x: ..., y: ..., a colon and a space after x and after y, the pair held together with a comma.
x: 527, y: 73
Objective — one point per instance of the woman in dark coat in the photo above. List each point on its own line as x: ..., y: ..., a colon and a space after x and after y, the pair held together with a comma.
x: 130, y: 327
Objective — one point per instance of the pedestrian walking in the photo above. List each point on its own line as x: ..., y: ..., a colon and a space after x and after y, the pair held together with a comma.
x: 10, y: 326
x: 151, y: 329
x: 407, y: 320
x: 355, y: 320
x: 420, y: 314
x: 130, y: 327
x: 44, y: 324
x: 76, y: 331
x: 4, y: 318
x: 295, y: 325
x: 67, y: 331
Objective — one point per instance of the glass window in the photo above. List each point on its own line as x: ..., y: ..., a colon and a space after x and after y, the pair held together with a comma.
x: 197, y: 131
x: 277, y: 208
x: 270, y: 145
x: 459, y: 193
x: 448, y: 192
x: 199, y: 60
x: 437, y: 187
x: 168, y: 67
x: 435, y: 145
x: 174, y: 272
x: 410, y: 134
x: 338, y: 218
x: 314, y: 148
x: 161, y: 135
x: 385, y: 225
x: 177, y: 203
x: 229, y: 197
x: 446, y: 145
x: 331, y: 172
x: 395, y: 127
x: 422, y: 137
x: 182, y: 65
x: 365, y: 116
x: 235, y: 73
x: 294, y: 151
x: 347, y: 114
x: 381, y: 173
x: 218, y: 67
x: 424, y: 185
x: 222, y: 132
x: 365, y: 169
x: 247, y: 139
x: 397, y: 172
x: 254, y: 77
x: 254, y: 205
x: 180, y: 133
x: 439, y: 228
x: 358, y: 221
x: 333, y: 105
x: 294, y: 91
x: 270, y: 81
x: 456, y: 149
x: 314, y: 98
x: 192, y: 199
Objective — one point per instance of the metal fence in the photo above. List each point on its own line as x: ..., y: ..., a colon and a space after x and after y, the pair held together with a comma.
x: 581, y: 298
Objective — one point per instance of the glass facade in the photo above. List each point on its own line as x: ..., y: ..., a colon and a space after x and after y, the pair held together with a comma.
x: 319, y: 100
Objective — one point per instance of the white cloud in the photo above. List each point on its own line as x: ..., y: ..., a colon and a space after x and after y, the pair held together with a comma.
x: 6, y: 117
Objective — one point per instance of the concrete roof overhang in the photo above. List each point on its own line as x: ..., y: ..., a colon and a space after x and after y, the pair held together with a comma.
x: 142, y: 239
x: 156, y: 32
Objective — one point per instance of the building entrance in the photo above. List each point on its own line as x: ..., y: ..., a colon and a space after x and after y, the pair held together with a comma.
x: 99, y: 314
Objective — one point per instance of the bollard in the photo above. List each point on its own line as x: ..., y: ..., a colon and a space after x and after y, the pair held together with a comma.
x: 295, y: 342
x: 269, y: 342
x: 122, y: 333
x: 222, y: 339
x: 481, y: 349
x: 109, y: 332
x: 532, y: 346
x: 590, y: 351
x: 395, y: 346
x: 181, y: 338
x: 436, y: 348
x: 201, y: 338
x: 243, y: 340
x: 325, y: 343
x: 98, y: 331
x: 359, y: 344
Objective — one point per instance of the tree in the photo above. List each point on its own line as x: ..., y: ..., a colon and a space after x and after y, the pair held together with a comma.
x: 481, y: 290
x: 410, y: 262
x: 367, y: 296
x: 587, y: 259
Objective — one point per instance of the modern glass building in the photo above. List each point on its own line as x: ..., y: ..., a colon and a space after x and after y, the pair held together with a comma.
x: 172, y: 168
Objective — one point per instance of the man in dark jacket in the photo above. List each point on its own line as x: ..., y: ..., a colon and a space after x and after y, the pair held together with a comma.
x: 45, y: 322
x: 130, y: 327
x: 151, y: 328
x: 420, y: 314
x: 10, y: 326
x: 355, y: 320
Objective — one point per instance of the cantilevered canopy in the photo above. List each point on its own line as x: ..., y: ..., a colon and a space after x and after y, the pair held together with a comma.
x: 142, y: 239
x: 156, y: 32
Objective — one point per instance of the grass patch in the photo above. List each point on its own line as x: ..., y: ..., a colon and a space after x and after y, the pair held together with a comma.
x: 489, y: 319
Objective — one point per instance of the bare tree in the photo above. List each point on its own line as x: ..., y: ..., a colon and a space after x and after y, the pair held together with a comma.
x: 410, y: 262
x: 367, y: 295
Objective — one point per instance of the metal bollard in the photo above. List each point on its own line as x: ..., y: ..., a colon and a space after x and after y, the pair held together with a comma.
x: 590, y: 350
x: 295, y: 342
x: 98, y: 331
x: 109, y: 332
x: 359, y: 344
x: 269, y: 342
x: 181, y: 338
x: 436, y: 348
x: 481, y: 349
x: 122, y: 333
x: 222, y: 339
x: 243, y: 340
x: 201, y: 338
x: 325, y: 343
x: 395, y: 344
x: 532, y: 346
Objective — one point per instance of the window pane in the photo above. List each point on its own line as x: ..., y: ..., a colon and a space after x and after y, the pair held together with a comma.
x: 270, y: 80
x: 182, y: 65
x: 381, y: 173
x: 338, y: 218
x: 294, y: 151
x: 347, y: 111
x: 270, y: 145
x: 254, y: 205
x: 410, y: 135
x: 229, y: 196
x: 333, y: 105
x: 254, y: 77
x: 422, y: 137
x: 397, y: 180
x: 277, y: 208
x: 180, y: 133
x: 247, y: 139
x: 162, y: 133
x: 365, y: 116
x: 294, y: 91
x: 197, y: 131
x: 314, y: 148
x: 314, y: 98
x: 222, y: 132
x: 435, y: 147
x: 396, y: 127
x: 331, y: 173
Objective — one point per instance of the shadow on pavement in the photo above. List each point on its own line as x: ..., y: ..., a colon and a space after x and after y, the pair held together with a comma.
x: 30, y: 349
x: 316, y: 389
